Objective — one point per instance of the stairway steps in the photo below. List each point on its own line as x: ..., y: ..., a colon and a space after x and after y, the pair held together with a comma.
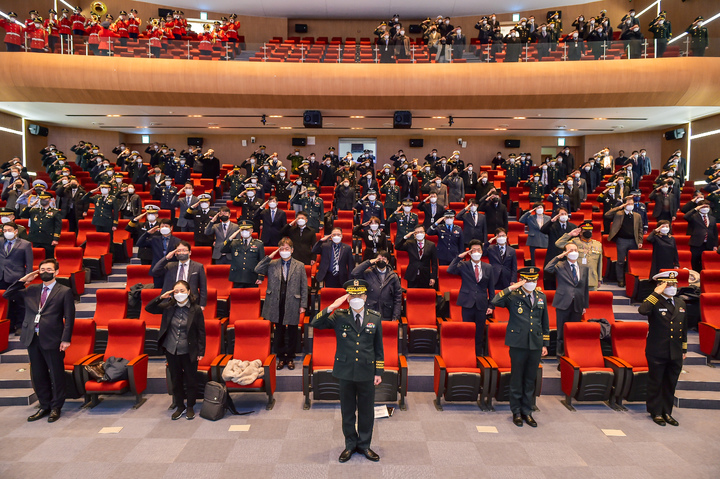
x: 17, y: 397
x: 697, y: 399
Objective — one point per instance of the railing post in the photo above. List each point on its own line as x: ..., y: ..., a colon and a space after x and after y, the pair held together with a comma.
x: 339, y: 53
x: 302, y: 53
x: 488, y: 54
x: 264, y: 47
x: 412, y: 50
x: 149, y: 49
x: 377, y: 56
x: 188, y: 50
x: 227, y: 52
x: 645, y: 45
x: 604, y: 47
x: 526, y: 52
x: 564, y: 52
x: 71, y: 44
x: 110, y: 47
x: 655, y: 43
x: 687, y: 45
x: 87, y: 49
x: 628, y: 50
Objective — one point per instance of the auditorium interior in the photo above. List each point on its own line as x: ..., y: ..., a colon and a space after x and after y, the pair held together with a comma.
x: 197, y: 75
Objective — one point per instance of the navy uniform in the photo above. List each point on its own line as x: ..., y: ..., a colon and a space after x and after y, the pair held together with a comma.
x: 260, y: 155
x: 450, y: 239
x: 249, y: 204
x: 406, y: 221
x: 45, y: 224
x: 167, y: 195
x: 528, y: 333
x: 559, y: 200
x: 640, y: 208
x: 512, y: 171
x: 105, y: 217
x: 665, y: 348
x: 369, y: 208
x: 246, y: 253
x: 358, y: 360
x: 201, y: 218
x: 313, y: 206
x: 137, y: 229
x: 383, y: 176
x: 282, y: 184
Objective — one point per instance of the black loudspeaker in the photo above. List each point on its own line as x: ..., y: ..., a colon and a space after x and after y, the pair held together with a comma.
x: 301, y: 28
x: 37, y: 130
x: 195, y: 141
x: 416, y: 143
x: 402, y: 119
x: 164, y: 12
x: 675, y: 134
x: 512, y: 143
x: 415, y: 29
x: 312, y: 119
x: 298, y: 141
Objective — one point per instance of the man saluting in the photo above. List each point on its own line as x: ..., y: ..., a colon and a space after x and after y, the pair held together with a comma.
x: 359, y: 364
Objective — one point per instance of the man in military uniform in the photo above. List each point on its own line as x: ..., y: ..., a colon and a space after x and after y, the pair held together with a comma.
x: 512, y: 171
x: 559, y: 199
x: 369, y: 206
x: 392, y: 196
x: 590, y: 251
x: 640, y: 208
x: 7, y: 215
x: 260, y: 155
x: 105, y: 217
x: 45, y: 224
x: 248, y: 202
x: 406, y: 220
x: 666, y: 346
x: 662, y: 32
x: 295, y: 159
x: 528, y: 336
x: 137, y: 229
x: 313, y: 205
x: 246, y: 253
x: 234, y: 181
x: 537, y: 189
x: 333, y: 157
x: 201, y: 216
x: 166, y: 194
x: 698, y: 37
x: 450, y: 238
x: 359, y: 364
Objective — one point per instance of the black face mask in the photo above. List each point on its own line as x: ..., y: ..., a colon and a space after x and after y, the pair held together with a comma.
x: 182, y: 257
x: 587, y: 234
x: 224, y: 218
x: 381, y: 264
x: 38, y: 190
x: 47, y: 276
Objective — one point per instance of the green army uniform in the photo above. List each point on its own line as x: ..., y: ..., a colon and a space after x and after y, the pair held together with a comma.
x: 314, y: 207
x: 45, y: 226
x: 358, y: 359
x: 425, y: 179
x: 295, y: 161
x: 246, y: 255
x: 512, y: 172
x: 537, y: 191
x: 392, y: 197
x: 106, y: 212
x: 235, y: 182
x: 528, y: 331
x: 405, y: 223
x: 22, y: 231
x: 590, y: 255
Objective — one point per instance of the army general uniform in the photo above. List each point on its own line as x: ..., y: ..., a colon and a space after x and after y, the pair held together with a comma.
x: 358, y: 359
x: 528, y: 331
x: 246, y: 254
x: 45, y: 226
x: 590, y: 253
x: 666, y: 344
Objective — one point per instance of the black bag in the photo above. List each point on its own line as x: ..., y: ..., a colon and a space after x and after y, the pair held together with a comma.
x: 116, y: 369
x: 216, y: 401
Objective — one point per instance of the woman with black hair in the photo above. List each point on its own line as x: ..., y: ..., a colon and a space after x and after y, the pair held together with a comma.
x: 665, y: 253
x: 182, y: 338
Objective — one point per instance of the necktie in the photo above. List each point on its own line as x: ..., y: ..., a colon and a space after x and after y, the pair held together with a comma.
x: 705, y: 220
x: 272, y: 216
x: 420, y: 249
x: 502, y: 252
x: 358, y: 321
x: 336, y: 259
x: 477, y: 273
x: 574, y: 273
x: 43, y: 296
x: 224, y: 229
x: 181, y: 274
x: 8, y: 247
x: 474, y: 217
x: 165, y: 245
x: 286, y: 266
x: 530, y: 297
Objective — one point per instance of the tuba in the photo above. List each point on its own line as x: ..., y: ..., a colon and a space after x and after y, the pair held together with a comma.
x: 98, y: 8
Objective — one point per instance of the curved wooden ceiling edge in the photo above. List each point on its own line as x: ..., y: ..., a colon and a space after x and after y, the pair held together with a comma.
x: 131, y: 81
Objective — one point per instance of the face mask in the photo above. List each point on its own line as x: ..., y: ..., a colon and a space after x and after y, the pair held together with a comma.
x: 104, y: 191
x: 282, y: 175
x: 484, y: 180
x: 131, y: 190
x: 587, y: 234
x: 420, y: 236
x: 501, y: 240
x: 374, y: 226
x: 381, y: 265
x: 47, y: 276
x: 372, y: 197
x: 629, y: 208
x: 569, y: 183
x: 476, y: 256
x: 285, y: 254
x: 540, y: 211
x: 181, y: 297
x: 336, y: 239
x: 151, y: 218
x: 587, y: 168
x: 182, y: 256
x: 563, y: 218
x: 529, y: 286
x: 165, y: 230
x: 245, y: 233
x: 664, y: 230
x: 544, y: 167
x: 449, y: 222
x: 44, y: 203
x: 573, y: 255
x: 670, y: 291
x: 704, y: 210
x: 65, y: 182
x: 168, y: 183
x: 301, y: 222
x: 9, y: 235
x: 407, y: 209
x: 433, y: 200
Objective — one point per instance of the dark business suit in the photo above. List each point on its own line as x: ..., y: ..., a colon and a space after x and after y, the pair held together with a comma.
x: 384, y: 291
x: 702, y: 238
x: 271, y: 227
x: 195, y: 277
x: 303, y: 241
x: 182, y: 367
x: 504, y: 267
x: 571, y: 295
x: 14, y: 265
x: 473, y: 228
x: 346, y: 263
x: 55, y: 326
x: 554, y: 231
x: 474, y: 296
x: 431, y: 218
x: 409, y: 188
x: 156, y: 244
x: 420, y: 270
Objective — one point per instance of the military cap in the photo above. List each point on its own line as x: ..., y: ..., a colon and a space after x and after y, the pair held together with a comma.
x: 449, y: 214
x: 103, y: 185
x: 250, y: 188
x: 699, y: 17
x: 356, y: 286
x: 233, y: 16
x: 716, y: 160
x: 262, y: 147
x: 372, y: 192
x: 407, y: 203
x: 530, y: 273
x: 224, y: 19
x: 666, y: 276
x: 386, y: 165
x: 78, y: 9
x: 537, y: 174
x: 636, y: 193
x: 44, y: 195
x: 6, y: 211
x: 38, y: 19
x: 52, y: 11
x: 133, y: 11
x: 33, y: 12
x: 282, y: 168
x: 216, y: 23
x: 122, y: 12
x: 311, y: 187
x: 109, y: 17
x: 65, y: 10
x: 164, y: 146
x: 151, y: 208
x: 39, y: 183
x: 204, y: 196
x: 12, y: 15
x: 246, y: 225
x: 456, y: 152
x: 391, y: 177
x: 305, y: 162
x: 117, y: 175
x: 512, y: 155
x: 332, y: 148
x: 586, y: 225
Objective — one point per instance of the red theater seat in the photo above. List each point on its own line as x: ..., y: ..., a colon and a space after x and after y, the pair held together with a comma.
x: 639, y: 263
x: 81, y: 350
x: 71, y: 272
x: 710, y: 260
x: 97, y: 253
x: 447, y: 281
x: 110, y: 304
x: 317, y: 368
x: 457, y: 375
x: 395, y: 373
x: 628, y: 343
x: 710, y: 280
x: 709, y: 326
x: 600, y: 306
x: 421, y: 323
x: 138, y: 273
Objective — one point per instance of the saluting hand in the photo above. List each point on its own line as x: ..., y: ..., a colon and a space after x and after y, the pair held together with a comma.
x: 660, y: 288
x: 515, y: 286
x: 274, y: 253
x: 166, y: 294
x: 576, y: 232
x: 30, y: 277
x: 337, y: 303
x: 171, y: 254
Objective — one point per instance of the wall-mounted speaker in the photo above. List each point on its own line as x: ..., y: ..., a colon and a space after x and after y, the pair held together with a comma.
x: 312, y: 119
x: 416, y: 143
x: 195, y: 141
x: 37, y: 130
x: 164, y: 12
x: 301, y: 28
x: 415, y: 29
x: 512, y: 143
x: 675, y: 134
x: 402, y: 119
x: 299, y: 141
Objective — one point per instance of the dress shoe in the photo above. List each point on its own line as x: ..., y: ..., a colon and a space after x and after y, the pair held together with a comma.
x: 621, y: 284
x: 281, y: 365
x: 517, y: 420
x: 369, y: 453
x: 670, y: 420
x: 190, y: 414
x: 54, y: 415
x: 658, y: 420
x: 18, y: 331
x: 291, y: 365
x: 178, y: 413
x: 345, y: 455
x: 529, y: 420
x: 39, y: 415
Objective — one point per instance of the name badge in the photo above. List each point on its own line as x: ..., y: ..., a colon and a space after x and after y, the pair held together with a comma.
x: 37, y: 318
x: 662, y: 309
x: 584, y: 260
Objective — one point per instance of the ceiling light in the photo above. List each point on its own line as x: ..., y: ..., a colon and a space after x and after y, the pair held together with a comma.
x: 519, y: 118
x: 438, y: 117
x: 214, y: 127
x: 428, y: 128
x: 561, y: 127
x: 500, y: 129
x: 573, y: 129
x: 357, y: 116
x: 599, y: 118
x: 286, y: 127
x: 275, y: 116
x: 194, y: 116
x: 113, y: 116
x: 357, y: 128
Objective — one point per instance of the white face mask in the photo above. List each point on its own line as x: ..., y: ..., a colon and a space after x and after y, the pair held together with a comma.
x: 272, y: 205
x: 433, y: 200
x: 65, y: 181
x: 374, y: 226
x: 476, y: 256
x: 165, y: 230
x: 664, y: 190
x: 407, y: 209
x: 188, y: 191
x: 285, y: 254
x: 629, y: 208
x: 204, y: 205
x: 151, y: 218
x: 501, y: 240
x: 573, y: 255
x: 131, y: 190
x: 670, y: 291
x: 569, y: 183
x: 9, y: 235
x: 563, y: 218
x: 392, y: 182
x: 245, y: 233
x: 704, y: 210
x: 449, y: 221
x: 357, y: 303
x: 664, y: 230
x: 336, y: 239
x: 372, y: 197
x: 301, y: 222
x: 181, y: 297
x: 4, y: 220
x: 251, y: 194
x: 473, y: 208
x: 104, y: 191
x: 420, y: 236
x: 529, y: 286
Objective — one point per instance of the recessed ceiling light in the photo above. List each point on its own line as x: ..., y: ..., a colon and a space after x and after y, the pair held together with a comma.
x: 500, y: 129
x: 357, y: 128
x: 286, y: 127
x: 599, y: 118
x: 561, y: 127
x: 519, y: 118
x: 214, y: 127
x: 113, y: 116
x: 573, y: 129
x: 428, y: 128
x: 357, y: 116
x: 438, y: 117
x: 194, y: 116
x: 275, y: 116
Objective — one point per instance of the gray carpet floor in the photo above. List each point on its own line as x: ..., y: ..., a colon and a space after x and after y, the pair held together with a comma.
x: 421, y: 442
